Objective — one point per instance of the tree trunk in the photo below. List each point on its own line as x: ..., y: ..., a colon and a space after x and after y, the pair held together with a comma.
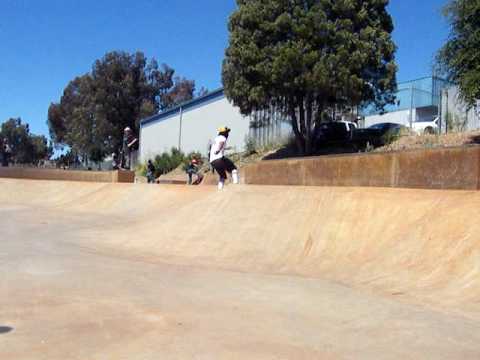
x: 299, y: 139
x: 301, y: 111
x: 304, y: 128
x: 308, y: 135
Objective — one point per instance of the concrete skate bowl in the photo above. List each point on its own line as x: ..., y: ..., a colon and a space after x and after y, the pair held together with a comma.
x: 412, y: 245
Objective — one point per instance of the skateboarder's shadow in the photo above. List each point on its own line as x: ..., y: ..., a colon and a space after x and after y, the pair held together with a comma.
x: 5, y: 329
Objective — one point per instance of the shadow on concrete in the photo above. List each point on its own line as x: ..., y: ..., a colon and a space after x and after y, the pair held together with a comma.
x: 290, y: 151
x: 5, y: 329
x: 282, y: 153
x: 475, y: 140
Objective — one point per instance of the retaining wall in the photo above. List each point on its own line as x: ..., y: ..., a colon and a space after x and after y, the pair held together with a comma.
x: 66, y: 175
x: 445, y: 168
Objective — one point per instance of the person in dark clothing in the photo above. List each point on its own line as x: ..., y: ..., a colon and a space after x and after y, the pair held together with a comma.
x: 128, y: 146
x: 6, y: 152
x: 150, y: 172
x: 115, y: 162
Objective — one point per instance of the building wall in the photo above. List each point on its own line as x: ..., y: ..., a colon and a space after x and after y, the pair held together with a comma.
x: 403, y: 117
x: 422, y: 95
x: 419, y: 93
x: 157, y: 137
x: 200, y: 125
x: 191, y: 129
x: 398, y: 117
x: 460, y: 117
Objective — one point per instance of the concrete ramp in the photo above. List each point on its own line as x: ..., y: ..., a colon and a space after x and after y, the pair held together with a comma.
x: 411, y: 241
x: 415, y: 251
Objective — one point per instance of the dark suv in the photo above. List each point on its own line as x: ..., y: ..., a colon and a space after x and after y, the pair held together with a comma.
x: 337, y: 133
x: 378, y: 134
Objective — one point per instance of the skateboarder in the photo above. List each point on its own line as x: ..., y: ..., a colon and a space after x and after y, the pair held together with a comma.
x: 6, y: 152
x: 193, y: 169
x: 218, y: 160
x: 115, y: 165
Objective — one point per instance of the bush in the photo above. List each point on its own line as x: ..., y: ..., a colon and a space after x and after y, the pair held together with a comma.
x: 250, y: 145
x: 391, y: 136
x: 168, y: 161
x: 141, y: 169
x: 165, y: 162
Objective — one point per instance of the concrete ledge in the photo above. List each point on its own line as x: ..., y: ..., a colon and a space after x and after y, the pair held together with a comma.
x: 67, y: 175
x: 444, y: 168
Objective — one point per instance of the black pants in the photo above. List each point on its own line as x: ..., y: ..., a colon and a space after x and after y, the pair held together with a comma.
x: 5, y: 159
x: 222, y: 166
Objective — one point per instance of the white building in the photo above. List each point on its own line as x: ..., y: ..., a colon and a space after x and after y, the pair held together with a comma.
x: 190, y: 126
x: 423, y: 100
x: 416, y: 100
x: 455, y: 115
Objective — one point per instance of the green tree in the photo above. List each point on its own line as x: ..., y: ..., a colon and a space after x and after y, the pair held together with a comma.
x: 68, y: 159
x: 17, y: 134
x: 42, y: 150
x: 26, y: 148
x: 459, y: 58
x: 304, y: 56
x: 72, y: 121
x: 121, y: 89
x: 181, y: 91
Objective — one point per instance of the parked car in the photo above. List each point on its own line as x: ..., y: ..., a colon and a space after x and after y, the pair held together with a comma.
x: 337, y: 133
x: 378, y: 135
x: 426, y: 127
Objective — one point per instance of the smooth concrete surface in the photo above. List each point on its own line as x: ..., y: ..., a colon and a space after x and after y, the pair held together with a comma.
x: 444, y: 168
x: 119, y: 176
x: 133, y: 271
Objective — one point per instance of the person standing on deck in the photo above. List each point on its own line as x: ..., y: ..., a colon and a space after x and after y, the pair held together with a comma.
x: 128, y: 146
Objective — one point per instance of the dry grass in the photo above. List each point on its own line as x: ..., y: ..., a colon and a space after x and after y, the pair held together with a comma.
x: 412, y: 142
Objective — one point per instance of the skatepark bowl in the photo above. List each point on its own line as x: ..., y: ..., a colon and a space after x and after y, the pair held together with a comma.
x: 132, y: 271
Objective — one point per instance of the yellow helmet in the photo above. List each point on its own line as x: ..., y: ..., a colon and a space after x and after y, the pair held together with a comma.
x: 223, y: 129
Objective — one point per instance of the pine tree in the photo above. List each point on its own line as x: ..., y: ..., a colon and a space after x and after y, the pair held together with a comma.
x: 303, y: 56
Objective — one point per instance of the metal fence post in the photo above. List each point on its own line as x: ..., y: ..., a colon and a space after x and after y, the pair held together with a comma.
x: 180, y: 130
x: 411, y: 106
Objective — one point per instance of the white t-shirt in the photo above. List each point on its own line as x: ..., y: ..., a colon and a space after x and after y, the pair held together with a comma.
x: 216, y: 147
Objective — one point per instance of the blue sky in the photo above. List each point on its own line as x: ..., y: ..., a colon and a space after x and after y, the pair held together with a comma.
x: 44, y: 44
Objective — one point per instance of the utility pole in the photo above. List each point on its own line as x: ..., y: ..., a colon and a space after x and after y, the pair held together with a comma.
x: 477, y: 114
x: 440, y: 112
x: 446, y: 112
x: 180, y: 130
x: 411, y: 106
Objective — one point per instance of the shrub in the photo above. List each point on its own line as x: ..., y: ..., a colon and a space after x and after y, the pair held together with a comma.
x: 165, y: 162
x: 168, y: 161
x: 250, y: 145
x: 141, y: 169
